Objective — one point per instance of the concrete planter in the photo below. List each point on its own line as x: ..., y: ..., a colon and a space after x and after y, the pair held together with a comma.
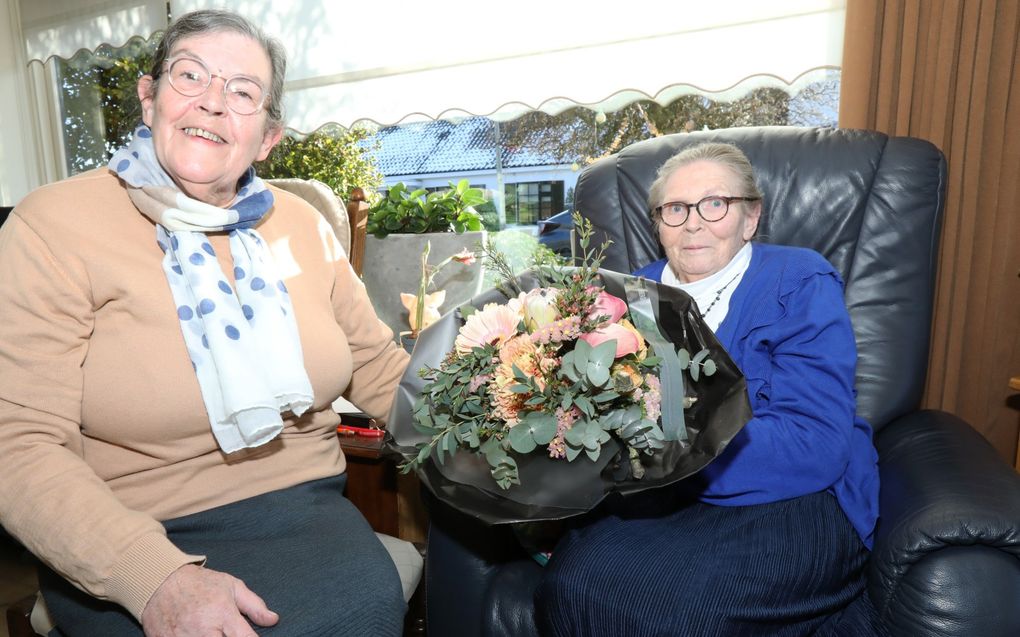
x: 393, y: 265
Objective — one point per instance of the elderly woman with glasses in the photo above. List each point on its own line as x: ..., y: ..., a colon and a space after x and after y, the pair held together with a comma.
x: 772, y: 538
x: 173, y: 333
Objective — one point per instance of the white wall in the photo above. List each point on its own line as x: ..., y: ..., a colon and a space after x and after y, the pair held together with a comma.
x: 17, y: 157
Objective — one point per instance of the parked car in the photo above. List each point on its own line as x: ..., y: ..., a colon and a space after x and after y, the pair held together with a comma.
x: 554, y: 232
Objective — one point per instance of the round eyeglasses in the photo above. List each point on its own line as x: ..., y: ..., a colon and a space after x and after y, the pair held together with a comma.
x: 191, y: 78
x: 711, y: 208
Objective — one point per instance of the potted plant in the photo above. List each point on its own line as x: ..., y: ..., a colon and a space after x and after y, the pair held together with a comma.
x: 418, y: 211
x: 400, y: 225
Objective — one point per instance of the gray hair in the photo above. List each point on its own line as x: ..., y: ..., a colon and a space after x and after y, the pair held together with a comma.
x: 213, y: 21
x: 726, y: 155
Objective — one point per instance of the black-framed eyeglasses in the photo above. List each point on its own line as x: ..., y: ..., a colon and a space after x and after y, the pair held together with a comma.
x: 191, y: 77
x: 711, y: 208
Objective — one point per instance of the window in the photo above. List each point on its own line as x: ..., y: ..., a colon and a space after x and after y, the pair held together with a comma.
x: 99, y: 105
x: 527, y: 203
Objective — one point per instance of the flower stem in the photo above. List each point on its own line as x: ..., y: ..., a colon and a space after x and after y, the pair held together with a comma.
x: 419, y: 302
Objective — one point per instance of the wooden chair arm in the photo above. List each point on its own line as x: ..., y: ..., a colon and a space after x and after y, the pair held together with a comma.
x: 357, y: 213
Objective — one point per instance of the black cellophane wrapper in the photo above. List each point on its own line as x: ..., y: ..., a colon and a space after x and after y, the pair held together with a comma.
x: 554, y: 489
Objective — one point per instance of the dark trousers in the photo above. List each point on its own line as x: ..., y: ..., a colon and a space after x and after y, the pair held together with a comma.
x: 783, y: 569
x: 306, y: 550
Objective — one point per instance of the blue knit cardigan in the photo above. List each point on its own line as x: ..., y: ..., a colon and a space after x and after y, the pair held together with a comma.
x: 788, y: 330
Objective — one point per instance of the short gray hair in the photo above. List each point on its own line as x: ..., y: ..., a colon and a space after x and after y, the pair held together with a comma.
x: 213, y: 21
x: 726, y: 155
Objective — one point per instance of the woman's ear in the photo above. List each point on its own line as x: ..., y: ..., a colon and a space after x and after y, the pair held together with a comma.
x: 270, y: 138
x: 147, y: 97
x: 751, y: 218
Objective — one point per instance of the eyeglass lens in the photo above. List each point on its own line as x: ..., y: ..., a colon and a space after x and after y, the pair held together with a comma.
x: 710, y: 208
x: 191, y: 78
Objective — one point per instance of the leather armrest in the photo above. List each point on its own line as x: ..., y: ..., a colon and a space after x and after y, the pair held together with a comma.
x: 468, y: 564
x: 945, y: 494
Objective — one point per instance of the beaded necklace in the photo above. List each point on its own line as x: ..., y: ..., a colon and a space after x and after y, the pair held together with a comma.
x: 718, y: 294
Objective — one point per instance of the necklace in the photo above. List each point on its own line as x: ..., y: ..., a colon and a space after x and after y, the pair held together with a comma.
x: 718, y: 295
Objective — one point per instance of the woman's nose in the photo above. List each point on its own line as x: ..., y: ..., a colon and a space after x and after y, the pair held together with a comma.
x: 213, y: 100
x: 694, y: 221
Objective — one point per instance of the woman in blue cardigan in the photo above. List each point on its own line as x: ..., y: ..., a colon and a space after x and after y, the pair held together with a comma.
x: 772, y: 538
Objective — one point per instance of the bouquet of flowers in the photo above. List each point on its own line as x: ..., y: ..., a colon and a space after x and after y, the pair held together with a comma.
x: 561, y: 393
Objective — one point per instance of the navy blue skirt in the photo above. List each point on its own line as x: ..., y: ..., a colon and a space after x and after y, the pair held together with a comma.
x: 782, y: 569
x: 306, y: 550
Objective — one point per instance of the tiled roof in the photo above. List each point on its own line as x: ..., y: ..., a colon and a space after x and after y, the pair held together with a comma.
x: 442, y: 146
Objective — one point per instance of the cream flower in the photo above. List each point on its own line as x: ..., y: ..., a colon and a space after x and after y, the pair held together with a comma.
x: 539, y: 308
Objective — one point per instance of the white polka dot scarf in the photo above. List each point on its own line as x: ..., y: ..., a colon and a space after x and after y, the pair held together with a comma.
x: 243, y: 341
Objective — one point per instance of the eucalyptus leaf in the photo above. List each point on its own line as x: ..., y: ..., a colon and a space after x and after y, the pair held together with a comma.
x: 611, y: 420
x: 606, y: 396
x: 599, y: 362
x: 584, y: 404
x: 541, y: 425
x: 575, y: 435
x: 423, y: 454
x: 521, y: 439
x: 451, y: 443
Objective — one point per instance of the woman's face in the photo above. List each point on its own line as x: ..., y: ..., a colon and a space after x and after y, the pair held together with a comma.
x: 203, y: 145
x: 700, y: 248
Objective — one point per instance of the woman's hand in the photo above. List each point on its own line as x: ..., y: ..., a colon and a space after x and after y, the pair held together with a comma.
x: 198, y: 602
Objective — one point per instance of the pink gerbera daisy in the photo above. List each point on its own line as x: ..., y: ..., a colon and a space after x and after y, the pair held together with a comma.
x: 494, y: 323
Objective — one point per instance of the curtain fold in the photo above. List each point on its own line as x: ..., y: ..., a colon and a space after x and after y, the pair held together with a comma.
x: 947, y: 72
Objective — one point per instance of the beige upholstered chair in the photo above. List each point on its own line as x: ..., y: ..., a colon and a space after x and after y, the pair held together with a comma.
x: 349, y: 222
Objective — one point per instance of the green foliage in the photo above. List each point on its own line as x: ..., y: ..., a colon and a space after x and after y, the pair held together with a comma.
x: 418, y: 211
x: 490, y: 216
x: 335, y: 156
x: 100, y: 101
x: 509, y: 252
x: 697, y: 365
x: 582, y: 135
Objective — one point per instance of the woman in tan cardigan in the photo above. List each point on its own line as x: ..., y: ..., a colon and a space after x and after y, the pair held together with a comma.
x: 172, y: 335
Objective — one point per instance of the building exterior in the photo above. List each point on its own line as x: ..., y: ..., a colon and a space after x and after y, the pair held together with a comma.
x: 523, y: 183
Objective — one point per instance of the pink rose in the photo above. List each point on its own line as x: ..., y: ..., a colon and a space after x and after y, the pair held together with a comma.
x: 608, y: 305
x: 627, y: 341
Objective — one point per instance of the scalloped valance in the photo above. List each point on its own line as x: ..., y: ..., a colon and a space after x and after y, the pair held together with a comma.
x: 391, y: 61
x: 63, y: 27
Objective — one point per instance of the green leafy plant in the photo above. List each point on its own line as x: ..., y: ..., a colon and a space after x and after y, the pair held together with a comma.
x: 417, y: 211
x: 335, y: 156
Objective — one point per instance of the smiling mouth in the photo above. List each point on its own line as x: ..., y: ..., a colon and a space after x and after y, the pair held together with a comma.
x: 204, y: 134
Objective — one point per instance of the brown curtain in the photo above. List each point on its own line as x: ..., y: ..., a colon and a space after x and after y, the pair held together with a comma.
x: 946, y: 71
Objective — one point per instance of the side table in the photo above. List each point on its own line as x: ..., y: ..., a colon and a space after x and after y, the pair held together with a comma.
x: 372, y: 483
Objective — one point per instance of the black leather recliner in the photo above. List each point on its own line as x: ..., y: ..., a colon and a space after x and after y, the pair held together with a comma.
x: 946, y: 558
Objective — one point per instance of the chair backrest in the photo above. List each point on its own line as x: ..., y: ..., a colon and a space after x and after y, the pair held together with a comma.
x: 349, y: 222
x: 871, y: 204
